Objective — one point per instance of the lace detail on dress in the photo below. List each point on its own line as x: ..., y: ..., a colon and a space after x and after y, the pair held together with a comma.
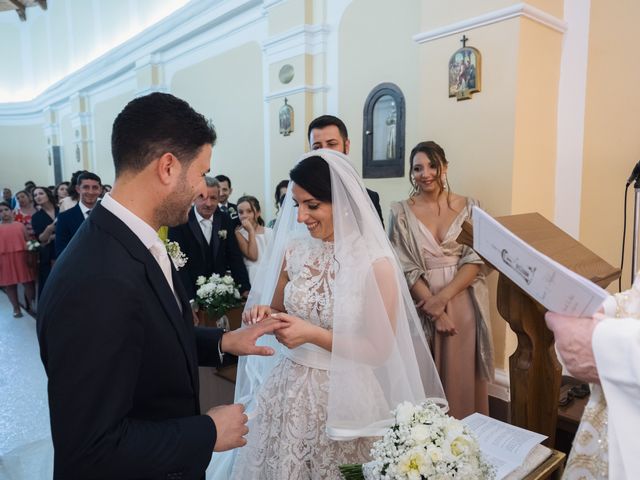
x: 309, y: 293
x: 287, y: 438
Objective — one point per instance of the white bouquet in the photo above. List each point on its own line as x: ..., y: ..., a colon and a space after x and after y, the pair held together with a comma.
x: 32, y: 245
x: 424, y: 443
x: 217, y: 294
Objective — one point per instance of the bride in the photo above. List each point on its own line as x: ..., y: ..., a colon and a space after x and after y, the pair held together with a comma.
x: 352, y: 348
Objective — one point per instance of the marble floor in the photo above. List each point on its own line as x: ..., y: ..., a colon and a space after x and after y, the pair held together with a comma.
x: 26, y: 452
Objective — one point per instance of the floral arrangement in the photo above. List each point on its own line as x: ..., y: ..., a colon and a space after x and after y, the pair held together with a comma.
x: 217, y: 294
x: 32, y: 245
x: 424, y: 443
x: 222, y: 234
x: 178, y: 257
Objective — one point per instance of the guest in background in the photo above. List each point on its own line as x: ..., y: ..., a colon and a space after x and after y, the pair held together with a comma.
x: 13, y: 259
x: 72, y: 200
x: 253, y: 238
x: 44, y: 228
x: 61, y: 191
x: 25, y: 210
x: 89, y: 189
x: 29, y: 185
x: 281, y: 192
x: 8, y: 197
x: 330, y: 132
x: 447, y: 280
x: 208, y: 240
x: 225, y: 192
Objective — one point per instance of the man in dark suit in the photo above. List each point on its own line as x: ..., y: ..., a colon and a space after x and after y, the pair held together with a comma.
x: 225, y: 205
x: 330, y: 132
x: 208, y: 240
x: 89, y: 189
x: 114, y: 324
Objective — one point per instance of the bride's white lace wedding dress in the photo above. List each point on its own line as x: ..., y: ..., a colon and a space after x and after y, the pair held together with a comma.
x: 287, y: 438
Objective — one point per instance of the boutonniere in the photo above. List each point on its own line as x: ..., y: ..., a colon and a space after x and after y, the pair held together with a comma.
x: 222, y: 234
x: 232, y: 212
x: 177, y: 256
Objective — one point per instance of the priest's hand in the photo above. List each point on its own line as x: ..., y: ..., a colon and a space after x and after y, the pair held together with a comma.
x: 243, y: 340
x: 573, y: 343
x: 231, y: 426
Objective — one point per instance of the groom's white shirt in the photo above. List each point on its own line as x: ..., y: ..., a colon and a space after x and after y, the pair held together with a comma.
x: 616, y: 347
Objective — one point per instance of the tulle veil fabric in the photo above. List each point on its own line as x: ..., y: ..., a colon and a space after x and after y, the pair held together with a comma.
x: 379, y: 356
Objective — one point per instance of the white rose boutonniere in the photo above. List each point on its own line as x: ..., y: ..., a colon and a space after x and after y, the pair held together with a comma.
x: 232, y: 213
x: 178, y: 257
x: 222, y: 234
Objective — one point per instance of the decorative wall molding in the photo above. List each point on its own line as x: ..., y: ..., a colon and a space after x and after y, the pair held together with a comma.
x: 500, y: 387
x: 514, y: 11
x: 572, y: 94
x: 288, y: 92
x: 269, y: 4
x: 306, y: 39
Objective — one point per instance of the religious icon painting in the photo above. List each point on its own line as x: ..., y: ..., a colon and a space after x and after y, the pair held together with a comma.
x: 464, y: 72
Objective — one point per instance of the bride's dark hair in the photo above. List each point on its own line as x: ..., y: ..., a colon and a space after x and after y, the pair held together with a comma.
x: 312, y: 174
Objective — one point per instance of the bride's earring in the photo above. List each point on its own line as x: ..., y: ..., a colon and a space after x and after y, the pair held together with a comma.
x: 415, y: 189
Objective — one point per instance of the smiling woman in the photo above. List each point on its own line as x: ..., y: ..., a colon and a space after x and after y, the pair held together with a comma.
x: 446, y: 279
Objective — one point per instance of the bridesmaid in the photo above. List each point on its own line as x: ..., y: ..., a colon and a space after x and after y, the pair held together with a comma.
x: 446, y: 279
x: 44, y: 228
x: 13, y: 259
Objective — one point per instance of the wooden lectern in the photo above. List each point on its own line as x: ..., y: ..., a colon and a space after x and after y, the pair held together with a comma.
x: 534, y: 371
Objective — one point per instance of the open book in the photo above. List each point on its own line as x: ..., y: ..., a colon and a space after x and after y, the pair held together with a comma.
x: 545, y: 280
x: 507, y: 447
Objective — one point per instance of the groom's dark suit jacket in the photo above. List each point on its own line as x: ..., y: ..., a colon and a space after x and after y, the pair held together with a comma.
x: 220, y: 255
x: 122, y: 362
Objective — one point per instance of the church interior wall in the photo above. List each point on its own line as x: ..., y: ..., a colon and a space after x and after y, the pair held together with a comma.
x: 103, y: 115
x: 370, y: 55
x: 10, y: 59
x: 535, y: 146
x: 23, y: 155
x: 227, y: 88
x: 611, y: 140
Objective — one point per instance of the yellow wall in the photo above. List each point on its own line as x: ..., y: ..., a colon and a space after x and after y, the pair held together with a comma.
x: 369, y: 55
x: 534, y: 159
x: 228, y: 89
x: 612, y: 142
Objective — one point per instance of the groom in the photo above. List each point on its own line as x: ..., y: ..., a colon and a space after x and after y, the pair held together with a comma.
x: 114, y: 323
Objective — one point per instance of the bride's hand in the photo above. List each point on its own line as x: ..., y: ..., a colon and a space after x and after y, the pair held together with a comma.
x: 445, y: 326
x: 296, y: 331
x: 256, y: 314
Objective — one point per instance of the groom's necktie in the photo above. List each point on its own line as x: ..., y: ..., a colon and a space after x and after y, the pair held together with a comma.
x: 159, y: 252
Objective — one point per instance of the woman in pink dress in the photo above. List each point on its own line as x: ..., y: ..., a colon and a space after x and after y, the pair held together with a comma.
x: 13, y: 259
x: 446, y: 279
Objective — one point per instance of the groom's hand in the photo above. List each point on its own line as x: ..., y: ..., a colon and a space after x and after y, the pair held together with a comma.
x: 243, y: 340
x: 231, y: 426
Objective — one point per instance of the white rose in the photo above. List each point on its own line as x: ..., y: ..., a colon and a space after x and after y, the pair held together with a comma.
x: 404, y: 412
x: 420, y: 434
